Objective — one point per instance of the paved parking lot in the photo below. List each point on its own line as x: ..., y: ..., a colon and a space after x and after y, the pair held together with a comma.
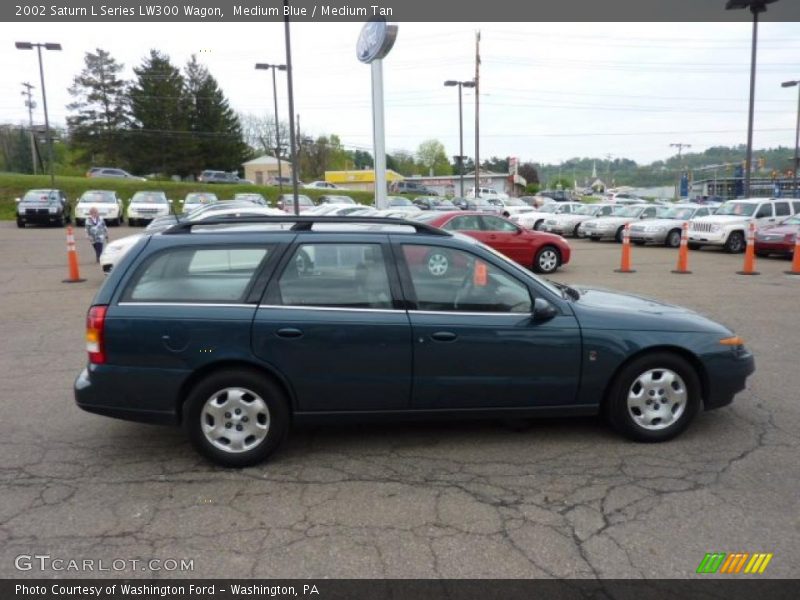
x: 560, y: 498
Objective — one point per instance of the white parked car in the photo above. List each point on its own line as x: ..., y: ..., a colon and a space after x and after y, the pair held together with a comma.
x: 668, y: 228
x: 195, y: 200
x: 610, y: 227
x: 322, y: 185
x: 568, y: 223
x: 108, y: 205
x: 728, y: 226
x: 486, y: 193
x: 534, y: 219
x: 115, y: 250
x: 146, y: 206
x: 508, y: 207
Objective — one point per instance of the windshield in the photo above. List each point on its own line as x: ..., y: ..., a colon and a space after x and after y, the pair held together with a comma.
x: 681, y: 214
x: 739, y: 209
x: 200, y: 199
x: 341, y: 200
x: 398, y: 201
x: 628, y: 211
x: 41, y: 196
x: 100, y: 197
x: 149, y: 197
x: 425, y: 217
x: 249, y: 197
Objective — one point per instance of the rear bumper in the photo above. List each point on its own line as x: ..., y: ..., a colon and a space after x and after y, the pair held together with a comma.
x: 130, y: 394
x: 727, y: 376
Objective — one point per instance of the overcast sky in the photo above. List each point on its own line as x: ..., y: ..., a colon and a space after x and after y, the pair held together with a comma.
x: 549, y: 91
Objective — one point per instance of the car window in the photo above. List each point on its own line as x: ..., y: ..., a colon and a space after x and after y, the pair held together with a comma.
x: 649, y: 212
x: 498, y: 224
x: 202, y: 275
x: 450, y: 280
x: 782, y: 209
x: 463, y: 223
x: 701, y: 212
x: 764, y: 211
x: 796, y: 206
x: 336, y: 276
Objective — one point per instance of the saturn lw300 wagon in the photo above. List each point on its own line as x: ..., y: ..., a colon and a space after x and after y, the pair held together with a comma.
x: 237, y: 329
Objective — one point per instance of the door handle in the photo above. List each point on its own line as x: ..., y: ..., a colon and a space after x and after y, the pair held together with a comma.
x: 444, y: 336
x: 289, y: 332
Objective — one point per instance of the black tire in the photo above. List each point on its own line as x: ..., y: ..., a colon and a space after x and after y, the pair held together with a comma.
x: 79, y: 222
x: 673, y: 239
x: 20, y: 223
x: 639, y: 242
x: 623, y: 418
x: 59, y: 222
x: 438, y: 263
x: 618, y: 235
x: 575, y: 231
x: 256, y: 386
x: 695, y: 246
x: 735, y: 243
x: 543, y: 261
x: 538, y: 225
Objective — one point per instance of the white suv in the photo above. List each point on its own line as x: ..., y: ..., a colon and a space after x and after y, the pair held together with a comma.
x: 727, y: 227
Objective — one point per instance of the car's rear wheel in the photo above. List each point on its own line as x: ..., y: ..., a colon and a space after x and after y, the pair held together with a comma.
x: 654, y: 397
x: 618, y: 235
x: 437, y: 263
x: 236, y: 417
x: 673, y: 239
x: 547, y: 260
x: 735, y: 242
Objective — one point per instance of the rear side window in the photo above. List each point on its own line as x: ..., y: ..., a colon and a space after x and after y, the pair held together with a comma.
x: 796, y: 206
x: 202, y: 275
x: 782, y: 209
x: 336, y: 276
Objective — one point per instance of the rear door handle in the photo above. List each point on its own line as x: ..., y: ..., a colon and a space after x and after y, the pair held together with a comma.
x: 444, y: 336
x: 289, y: 332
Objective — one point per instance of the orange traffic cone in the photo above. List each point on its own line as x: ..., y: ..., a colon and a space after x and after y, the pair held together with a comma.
x: 750, y: 252
x: 625, y: 264
x: 683, y: 253
x: 72, y: 259
x: 796, y: 258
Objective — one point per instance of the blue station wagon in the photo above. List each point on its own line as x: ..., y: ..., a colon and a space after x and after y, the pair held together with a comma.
x: 235, y: 329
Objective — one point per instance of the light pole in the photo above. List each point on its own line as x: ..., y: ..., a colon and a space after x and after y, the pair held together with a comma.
x: 46, y: 46
x: 680, y: 147
x: 756, y: 7
x: 788, y: 84
x: 264, y: 66
x: 31, y: 105
x: 460, y: 84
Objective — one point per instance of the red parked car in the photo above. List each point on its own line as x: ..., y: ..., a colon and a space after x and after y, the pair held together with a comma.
x: 542, y: 252
x: 779, y: 239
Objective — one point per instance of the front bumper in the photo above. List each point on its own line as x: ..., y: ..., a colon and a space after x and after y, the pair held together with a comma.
x: 42, y: 216
x: 726, y: 376
x: 650, y: 238
x: 778, y: 247
x: 708, y: 237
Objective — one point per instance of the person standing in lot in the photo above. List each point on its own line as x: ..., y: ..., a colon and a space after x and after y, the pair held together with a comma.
x: 96, y: 231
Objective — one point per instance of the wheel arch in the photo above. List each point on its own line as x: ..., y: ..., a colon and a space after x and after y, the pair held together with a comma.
x: 688, y: 356
x: 261, y: 369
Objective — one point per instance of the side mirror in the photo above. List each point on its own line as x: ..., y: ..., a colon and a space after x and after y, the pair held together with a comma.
x: 543, y: 310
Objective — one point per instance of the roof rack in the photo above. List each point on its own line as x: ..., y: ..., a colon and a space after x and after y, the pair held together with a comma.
x: 303, y: 223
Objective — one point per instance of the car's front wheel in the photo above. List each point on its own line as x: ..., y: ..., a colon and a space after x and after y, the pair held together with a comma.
x: 20, y: 223
x: 547, y: 260
x: 236, y: 417
x: 654, y: 397
x: 735, y: 242
x: 673, y: 239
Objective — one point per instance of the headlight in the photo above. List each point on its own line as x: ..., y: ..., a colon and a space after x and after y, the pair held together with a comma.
x: 716, y: 228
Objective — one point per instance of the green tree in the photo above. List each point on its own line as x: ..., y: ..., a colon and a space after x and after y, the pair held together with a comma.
x: 529, y: 172
x: 216, y: 130
x: 161, y: 139
x: 96, y: 128
x: 498, y: 165
x: 433, y: 158
x: 402, y: 161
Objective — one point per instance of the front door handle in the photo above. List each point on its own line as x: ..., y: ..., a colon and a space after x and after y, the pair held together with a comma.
x: 444, y: 336
x: 289, y: 332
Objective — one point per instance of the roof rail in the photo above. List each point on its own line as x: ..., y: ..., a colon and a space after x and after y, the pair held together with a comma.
x: 303, y: 223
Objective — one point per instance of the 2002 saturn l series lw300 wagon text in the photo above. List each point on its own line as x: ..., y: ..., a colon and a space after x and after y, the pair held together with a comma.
x: 235, y: 329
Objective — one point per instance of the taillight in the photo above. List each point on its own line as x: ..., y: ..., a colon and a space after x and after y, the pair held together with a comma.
x: 95, y: 325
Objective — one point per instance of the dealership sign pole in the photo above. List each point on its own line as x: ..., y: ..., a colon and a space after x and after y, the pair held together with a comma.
x: 376, y: 40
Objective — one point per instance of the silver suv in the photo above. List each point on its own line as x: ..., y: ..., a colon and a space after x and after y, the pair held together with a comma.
x: 727, y: 227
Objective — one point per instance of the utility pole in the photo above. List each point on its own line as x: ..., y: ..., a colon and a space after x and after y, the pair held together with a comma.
x: 477, y: 113
x: 31, y: 105
x: 680, y: 147
x: 290, y: 90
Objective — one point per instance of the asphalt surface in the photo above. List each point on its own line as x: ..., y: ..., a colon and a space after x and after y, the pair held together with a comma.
x: 559, y: 498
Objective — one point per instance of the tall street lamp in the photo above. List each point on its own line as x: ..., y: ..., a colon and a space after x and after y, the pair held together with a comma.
x: 756, y: 7
x: 46, y: 46
x: 460, y: 84
x: 265, y: 66
x: 788, y: 84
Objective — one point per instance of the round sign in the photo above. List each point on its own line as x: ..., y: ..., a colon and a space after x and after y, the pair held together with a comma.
x: 376, y: 39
